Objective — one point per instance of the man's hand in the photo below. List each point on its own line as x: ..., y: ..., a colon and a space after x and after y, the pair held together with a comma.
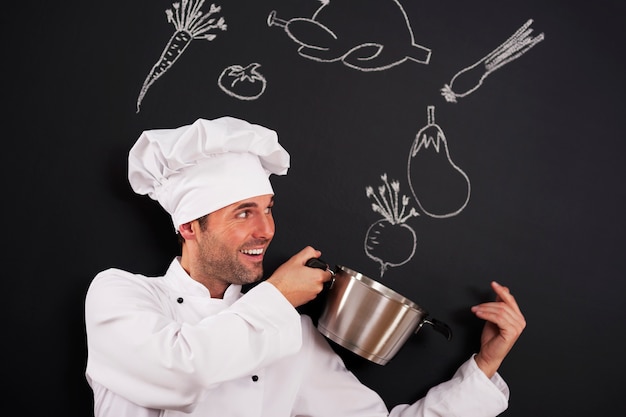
x: 297, y: 282
x: 505, y: 323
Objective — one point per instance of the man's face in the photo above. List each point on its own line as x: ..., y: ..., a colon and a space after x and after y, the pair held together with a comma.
x: 235, y: 240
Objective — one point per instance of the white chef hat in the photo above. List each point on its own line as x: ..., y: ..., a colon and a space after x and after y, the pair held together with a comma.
x: 197, y: 169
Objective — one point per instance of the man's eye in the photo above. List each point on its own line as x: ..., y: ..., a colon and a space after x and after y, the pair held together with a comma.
x: 268, y: 210
x: 243, y: 214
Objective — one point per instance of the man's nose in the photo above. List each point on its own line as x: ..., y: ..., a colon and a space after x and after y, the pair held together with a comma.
x: 264, y: 227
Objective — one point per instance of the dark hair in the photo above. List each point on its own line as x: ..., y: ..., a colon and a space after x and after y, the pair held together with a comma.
x: 202, y: 222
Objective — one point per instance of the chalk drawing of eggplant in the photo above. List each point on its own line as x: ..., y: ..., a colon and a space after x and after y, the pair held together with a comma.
x: 439, y: 186
x: 334, y: 33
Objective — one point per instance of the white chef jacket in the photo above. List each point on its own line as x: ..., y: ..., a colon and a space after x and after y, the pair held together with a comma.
x: 161, y: 346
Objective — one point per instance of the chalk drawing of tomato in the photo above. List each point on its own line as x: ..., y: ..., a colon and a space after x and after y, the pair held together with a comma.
x: 244, y: 83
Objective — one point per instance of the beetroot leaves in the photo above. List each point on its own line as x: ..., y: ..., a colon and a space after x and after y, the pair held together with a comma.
x: 390, y: 241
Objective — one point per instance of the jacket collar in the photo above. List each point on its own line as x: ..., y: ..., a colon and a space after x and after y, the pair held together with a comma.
x: 181, y: 282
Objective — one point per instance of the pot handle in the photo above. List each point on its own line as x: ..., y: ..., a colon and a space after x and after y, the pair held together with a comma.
x: 318, y: 263
x: 439, y: 326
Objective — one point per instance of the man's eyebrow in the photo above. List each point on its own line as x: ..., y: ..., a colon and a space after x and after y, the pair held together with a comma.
x: 249, y: 204
x: 246, y: 205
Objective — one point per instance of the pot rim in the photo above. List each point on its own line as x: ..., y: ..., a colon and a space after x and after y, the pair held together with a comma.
x: 381, y: 289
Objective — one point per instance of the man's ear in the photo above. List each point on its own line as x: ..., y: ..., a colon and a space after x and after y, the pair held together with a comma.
x: 187, y: 230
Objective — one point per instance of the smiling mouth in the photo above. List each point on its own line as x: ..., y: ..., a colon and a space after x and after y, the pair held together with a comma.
x: 252, y: 251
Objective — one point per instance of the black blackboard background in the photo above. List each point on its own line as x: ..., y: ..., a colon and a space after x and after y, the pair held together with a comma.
x: 542, y: 142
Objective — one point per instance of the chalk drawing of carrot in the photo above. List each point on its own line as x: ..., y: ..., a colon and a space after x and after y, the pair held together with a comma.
x: 472, y: 77
x: 190, y: 23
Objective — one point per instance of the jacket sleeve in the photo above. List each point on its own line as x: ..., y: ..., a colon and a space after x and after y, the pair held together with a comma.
x: 469, y: 393
x: 137, y: 350
x: 331, y: 390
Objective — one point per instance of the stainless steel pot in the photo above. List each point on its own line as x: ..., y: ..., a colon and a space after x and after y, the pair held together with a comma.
x: 369, y: 318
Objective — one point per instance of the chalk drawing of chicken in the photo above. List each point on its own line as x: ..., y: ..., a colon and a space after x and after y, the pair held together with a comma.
x: 366, y: 36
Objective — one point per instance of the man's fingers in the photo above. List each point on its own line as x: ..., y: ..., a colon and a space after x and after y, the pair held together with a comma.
x: 309, y: 252
x: 501, y: 314
x: 505, y: 295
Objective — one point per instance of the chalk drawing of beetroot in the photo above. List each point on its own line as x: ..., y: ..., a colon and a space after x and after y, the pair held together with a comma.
x: 439, y: 186
x: 343, y: 30
x: 390, y: 241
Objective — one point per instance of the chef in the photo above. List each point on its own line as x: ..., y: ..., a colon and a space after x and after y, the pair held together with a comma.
x: 190, y: 343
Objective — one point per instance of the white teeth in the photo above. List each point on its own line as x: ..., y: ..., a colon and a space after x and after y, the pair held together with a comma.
x: 252, y: 251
